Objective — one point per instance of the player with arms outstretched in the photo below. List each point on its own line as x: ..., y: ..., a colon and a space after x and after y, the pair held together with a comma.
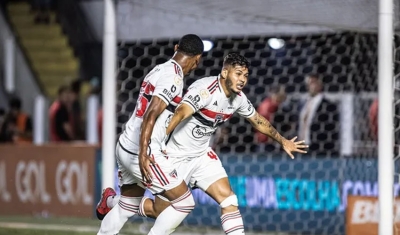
x: 160, y: 93
x: 209, y: 103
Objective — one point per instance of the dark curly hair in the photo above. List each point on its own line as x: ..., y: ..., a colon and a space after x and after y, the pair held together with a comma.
x: 191, y: 45
x: 233, y: 59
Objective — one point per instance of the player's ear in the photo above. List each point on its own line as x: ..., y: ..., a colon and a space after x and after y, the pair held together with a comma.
x: 176, y: 47
x: 198, y: 57
x: 224, y: 72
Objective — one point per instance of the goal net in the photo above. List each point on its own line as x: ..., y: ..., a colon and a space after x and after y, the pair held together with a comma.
x: 307, y: 195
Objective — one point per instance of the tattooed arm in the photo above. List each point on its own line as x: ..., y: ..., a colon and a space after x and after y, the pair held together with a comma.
x: 265, y: 127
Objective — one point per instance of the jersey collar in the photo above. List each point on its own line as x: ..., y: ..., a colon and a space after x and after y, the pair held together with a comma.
x: 176, y: 63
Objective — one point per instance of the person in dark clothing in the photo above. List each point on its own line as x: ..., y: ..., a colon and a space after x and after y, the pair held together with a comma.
x: 319, y: 120
x: 17, y: 125
x: 76, y: 110
x: 60, y: 125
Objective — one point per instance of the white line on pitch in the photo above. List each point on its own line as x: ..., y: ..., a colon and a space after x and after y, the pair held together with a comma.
x: 57, y: 227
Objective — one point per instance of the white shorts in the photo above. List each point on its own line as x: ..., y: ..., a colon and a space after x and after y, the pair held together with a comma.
x: 202, y: 171
x: 165, y: 172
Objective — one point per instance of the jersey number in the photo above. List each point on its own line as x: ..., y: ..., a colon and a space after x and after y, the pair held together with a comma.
x: 144, y: 96
x: 212, y: 155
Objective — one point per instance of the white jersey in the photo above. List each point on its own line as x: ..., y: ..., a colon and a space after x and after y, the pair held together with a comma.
x: 212, y: 108
x: 166, y: 82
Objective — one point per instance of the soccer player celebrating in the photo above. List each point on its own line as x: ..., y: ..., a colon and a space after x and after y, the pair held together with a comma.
x: 208, y: 103
x: 160, y: 93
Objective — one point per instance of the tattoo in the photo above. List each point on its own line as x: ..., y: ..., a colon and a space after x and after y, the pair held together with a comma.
x: 269, y: 129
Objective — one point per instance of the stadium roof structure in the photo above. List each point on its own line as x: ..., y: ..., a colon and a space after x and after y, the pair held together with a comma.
x: 279, y: 15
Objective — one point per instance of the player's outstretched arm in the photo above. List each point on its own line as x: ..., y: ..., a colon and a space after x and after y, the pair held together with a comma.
x: 156, y: 107
x: 264, y: 126
x: 181, y: 113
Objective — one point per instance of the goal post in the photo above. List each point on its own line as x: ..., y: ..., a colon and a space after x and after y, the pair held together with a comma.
x: 109, y: 94
x: 385, y: 116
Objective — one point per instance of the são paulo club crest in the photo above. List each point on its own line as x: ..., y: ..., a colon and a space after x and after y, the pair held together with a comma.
x: 219, y: 118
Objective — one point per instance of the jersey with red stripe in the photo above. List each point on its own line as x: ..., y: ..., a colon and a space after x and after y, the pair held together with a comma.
x: 211, y: 109
x: 166, y: 82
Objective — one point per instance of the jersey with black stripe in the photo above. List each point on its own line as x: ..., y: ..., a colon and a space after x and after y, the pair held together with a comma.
x: 166, y: 82
x: 211, y: 108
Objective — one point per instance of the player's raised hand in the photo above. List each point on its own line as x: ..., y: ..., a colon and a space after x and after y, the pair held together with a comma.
x: 294, y: 146
x: 144, y: 163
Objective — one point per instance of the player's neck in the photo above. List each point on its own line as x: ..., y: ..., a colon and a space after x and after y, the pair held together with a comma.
x: 182, y: 60
x: 224, y: 87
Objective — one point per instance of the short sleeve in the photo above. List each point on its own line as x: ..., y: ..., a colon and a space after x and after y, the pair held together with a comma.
x: 196, y: 97
x: 246, y: 109
x: 168, y: 87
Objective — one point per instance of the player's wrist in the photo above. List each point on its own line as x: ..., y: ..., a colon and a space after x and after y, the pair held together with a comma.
x: 141, y: 153
x: 281, y: 140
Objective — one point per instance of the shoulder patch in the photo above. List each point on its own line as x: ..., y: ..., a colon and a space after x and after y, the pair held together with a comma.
x: 178, y: 80
x: 204, y: 93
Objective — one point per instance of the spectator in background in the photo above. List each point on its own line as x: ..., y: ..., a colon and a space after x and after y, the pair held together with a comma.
x: 60, y: 123
x: 268, y: 107
x: 8, y: 129
x: 17, y: 125
x: 319, y: 120
x: 373, y: 119
x: 76, y: 110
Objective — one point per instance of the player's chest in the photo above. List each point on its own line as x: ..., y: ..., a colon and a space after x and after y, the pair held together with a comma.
x: 220, y: 110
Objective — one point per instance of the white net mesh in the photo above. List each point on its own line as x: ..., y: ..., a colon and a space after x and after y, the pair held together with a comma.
x: 345, y: 61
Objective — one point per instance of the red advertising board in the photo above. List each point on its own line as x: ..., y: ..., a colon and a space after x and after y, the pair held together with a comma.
x: 58, y: 180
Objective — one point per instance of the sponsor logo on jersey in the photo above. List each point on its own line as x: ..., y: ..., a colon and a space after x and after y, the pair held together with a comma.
x: 200, y: 132
x: 195, y: 100
x: 170, y: 93
x: 231, y: 107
